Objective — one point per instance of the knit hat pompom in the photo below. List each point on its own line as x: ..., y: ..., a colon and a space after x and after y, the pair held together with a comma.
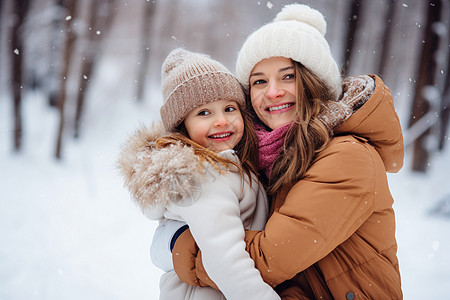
x: 189, y: 80
x: 303, y: 13
x: 297, y: 33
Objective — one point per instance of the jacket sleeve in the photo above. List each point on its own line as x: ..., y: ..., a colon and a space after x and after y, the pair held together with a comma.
x: 214, y: 221
x: 319, y: 213
x: 377, y: 121
x: 160, y: 252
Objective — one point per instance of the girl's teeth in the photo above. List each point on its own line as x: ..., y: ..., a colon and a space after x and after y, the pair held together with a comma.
x: 218, y: 136
x: 279, y: 107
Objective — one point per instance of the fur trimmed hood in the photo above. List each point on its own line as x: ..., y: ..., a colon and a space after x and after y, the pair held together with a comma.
x: 155, y: 176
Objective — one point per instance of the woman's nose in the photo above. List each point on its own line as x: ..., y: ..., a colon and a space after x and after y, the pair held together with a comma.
x: 274, y: 91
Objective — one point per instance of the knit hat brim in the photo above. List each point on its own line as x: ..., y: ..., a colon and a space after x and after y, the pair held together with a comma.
x: 210, y: 87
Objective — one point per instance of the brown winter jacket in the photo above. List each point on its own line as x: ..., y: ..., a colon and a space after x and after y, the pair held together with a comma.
x: 332, y: 234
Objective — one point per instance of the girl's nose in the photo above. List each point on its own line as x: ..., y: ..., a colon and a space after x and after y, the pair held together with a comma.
x: 221, y: 120
x: 274, y: 91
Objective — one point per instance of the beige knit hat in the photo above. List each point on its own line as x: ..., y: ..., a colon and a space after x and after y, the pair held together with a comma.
x: 190, y: 80
x: 298, y: 33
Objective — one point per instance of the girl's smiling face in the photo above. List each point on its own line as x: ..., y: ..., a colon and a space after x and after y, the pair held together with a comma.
x: 273, y: 91
x: 217, y: 125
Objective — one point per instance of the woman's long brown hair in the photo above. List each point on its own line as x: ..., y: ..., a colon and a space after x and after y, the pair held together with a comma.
x: 246, y: 149
x: 307, y: 135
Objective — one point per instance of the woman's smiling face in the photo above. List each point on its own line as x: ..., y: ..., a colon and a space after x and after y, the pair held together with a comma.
x: 273, y: 91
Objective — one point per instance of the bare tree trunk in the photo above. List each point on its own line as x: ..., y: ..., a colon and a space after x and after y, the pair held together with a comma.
x: 55, y: 56
x: 445, y: 116
x: 387, y: 37
x: 71, y: 8
x: 445, y: 104
x: 20, y: 9
x: 351, y: 33
x: 145, y: 48
x: 426, y: 76
x: 102, y: 15
x: 1, y: 10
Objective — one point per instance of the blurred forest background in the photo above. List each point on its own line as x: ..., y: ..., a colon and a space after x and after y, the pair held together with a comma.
x: 56, y: 47
x: 78, y: 76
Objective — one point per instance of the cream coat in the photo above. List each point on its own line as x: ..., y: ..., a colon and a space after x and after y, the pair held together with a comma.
x: 216, y: 207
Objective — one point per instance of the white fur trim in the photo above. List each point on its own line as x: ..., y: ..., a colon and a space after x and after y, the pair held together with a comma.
x: 157, y: 177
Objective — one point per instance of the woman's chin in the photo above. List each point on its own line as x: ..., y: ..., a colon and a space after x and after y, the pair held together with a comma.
x: 274, y: 124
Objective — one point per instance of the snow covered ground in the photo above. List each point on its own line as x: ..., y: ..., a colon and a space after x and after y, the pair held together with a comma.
x: 69, y: 230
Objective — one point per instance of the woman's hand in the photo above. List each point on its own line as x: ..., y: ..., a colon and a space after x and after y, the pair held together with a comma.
x: 187, y: 261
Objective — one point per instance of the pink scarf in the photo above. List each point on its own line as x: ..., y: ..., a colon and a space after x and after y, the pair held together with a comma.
x: 270, y: 144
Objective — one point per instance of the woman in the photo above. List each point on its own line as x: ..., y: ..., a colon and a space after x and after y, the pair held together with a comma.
x: 331, y: 232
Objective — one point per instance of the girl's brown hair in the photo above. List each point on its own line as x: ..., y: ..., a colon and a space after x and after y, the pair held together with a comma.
x: 246, y: 149
x: 307, y: 135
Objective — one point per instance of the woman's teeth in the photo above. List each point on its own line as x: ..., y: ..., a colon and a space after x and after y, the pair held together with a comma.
x: 274, y: 108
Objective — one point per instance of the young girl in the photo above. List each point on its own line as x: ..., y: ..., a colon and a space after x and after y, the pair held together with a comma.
x: 199, y: 171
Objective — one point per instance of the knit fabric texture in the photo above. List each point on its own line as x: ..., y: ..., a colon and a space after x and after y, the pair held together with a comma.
x: 297, y: 33
x: 356, y: 91
x: 189, y: 80
x: 270, y: 144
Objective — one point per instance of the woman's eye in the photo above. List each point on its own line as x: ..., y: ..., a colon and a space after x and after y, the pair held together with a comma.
x: 289, y: 76
x: 259, y: 81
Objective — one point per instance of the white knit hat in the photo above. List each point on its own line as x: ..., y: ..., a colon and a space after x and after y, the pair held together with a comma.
x: 298, y: 33
x: 189, y: 80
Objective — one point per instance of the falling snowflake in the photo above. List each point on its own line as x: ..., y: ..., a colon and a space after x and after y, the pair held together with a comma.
x: 269, y: 5
x: 435, y: 245
x: 16, y: 51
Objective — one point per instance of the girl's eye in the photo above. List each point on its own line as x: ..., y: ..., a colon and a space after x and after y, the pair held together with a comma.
x: 203, y: 113
x: 230, y: 109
